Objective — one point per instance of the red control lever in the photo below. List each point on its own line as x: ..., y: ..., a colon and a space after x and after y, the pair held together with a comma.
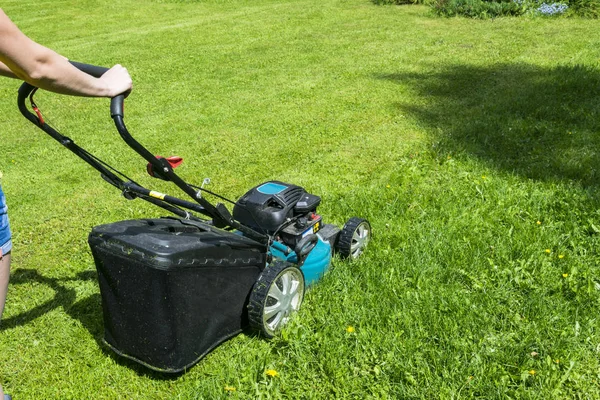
x: 174, y: 162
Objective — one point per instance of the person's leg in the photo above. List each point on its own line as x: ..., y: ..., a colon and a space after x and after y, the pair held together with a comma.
x: 5, y: 248
x: 4, y: 276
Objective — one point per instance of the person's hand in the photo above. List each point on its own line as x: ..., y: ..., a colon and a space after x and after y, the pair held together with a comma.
x: 117, y: 81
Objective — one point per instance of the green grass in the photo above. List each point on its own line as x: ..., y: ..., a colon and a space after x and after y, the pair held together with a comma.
x: 469, y: 145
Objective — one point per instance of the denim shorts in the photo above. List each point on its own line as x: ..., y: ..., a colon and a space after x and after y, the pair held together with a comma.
x: 5, y: 242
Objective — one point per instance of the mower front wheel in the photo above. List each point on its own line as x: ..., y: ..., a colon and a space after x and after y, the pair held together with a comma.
x: 277, y: 293
x: 354, y: 238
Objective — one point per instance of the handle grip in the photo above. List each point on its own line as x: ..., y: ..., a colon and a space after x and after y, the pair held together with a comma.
x: 92, y: 70
x: 305, y: 246
x: 116, y: 103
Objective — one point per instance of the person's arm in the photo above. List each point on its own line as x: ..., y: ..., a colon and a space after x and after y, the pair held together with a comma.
x: 5, y: 71
x: 22, y: 58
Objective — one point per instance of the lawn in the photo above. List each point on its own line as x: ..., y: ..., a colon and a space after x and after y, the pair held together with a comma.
x: 470, y: 145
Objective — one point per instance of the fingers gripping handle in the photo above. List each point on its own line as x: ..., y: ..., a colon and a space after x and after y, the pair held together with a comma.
x: 116, y: 103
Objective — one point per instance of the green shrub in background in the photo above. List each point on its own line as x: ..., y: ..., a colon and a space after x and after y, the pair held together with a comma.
x: 584, y: 8
x: 477, y: 8
x: 400, y: 2
x: 498, y: 8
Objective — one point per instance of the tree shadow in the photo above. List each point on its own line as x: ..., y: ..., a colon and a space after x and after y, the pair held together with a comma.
x: 542, y: 123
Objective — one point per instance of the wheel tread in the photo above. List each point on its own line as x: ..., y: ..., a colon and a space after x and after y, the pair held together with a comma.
x: 344, y: 245
x: 259, y: 293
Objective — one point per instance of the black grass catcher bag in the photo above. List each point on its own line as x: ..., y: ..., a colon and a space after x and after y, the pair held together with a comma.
x: 172, y: 289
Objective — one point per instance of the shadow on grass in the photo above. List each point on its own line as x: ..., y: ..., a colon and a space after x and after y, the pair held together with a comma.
x: 542, y: 123
x: 86, y: 310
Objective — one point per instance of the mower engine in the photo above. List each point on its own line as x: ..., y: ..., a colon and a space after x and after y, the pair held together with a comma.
x: 272, y: 205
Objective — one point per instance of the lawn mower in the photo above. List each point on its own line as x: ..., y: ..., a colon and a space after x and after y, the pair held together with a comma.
x: 173, y: 288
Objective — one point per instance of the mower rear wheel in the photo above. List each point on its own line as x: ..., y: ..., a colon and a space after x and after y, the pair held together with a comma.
x: 354, y: 238
x: 277, y: 293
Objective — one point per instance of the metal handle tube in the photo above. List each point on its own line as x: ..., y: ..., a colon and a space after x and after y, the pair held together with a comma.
x: 140, y: 190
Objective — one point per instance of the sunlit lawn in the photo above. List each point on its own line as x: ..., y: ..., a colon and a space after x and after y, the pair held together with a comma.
x: 471, y: 146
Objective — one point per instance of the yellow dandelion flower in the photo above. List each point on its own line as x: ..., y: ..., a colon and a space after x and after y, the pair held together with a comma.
x: 483, y: 177
x: 532, y: 372
x: 388, y: 186
x: 565, y: 275
x: 557, y: 361
x: 561, y: 256
x: 350, y: 329
x: 539, y: 222
x: 471, y: 377
x: 229, y: 389
x: 547, y: 251
x: 272, y: 373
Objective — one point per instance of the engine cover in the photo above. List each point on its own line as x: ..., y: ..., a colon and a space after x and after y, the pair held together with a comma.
x: 267, y: 206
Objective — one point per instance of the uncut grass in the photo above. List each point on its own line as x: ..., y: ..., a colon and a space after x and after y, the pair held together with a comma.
x: 450, y: 136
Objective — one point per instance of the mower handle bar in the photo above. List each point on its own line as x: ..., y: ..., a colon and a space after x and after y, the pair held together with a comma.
x: 221, y: 217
